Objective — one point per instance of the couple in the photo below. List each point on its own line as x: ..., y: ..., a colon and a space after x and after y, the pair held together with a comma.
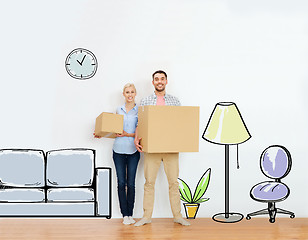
x: 126, y: 154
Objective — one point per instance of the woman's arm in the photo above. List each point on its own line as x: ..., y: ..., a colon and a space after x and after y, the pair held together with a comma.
x: 125, y: 134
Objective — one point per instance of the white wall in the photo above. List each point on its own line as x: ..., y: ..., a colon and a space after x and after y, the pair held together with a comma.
x: 254, y: 53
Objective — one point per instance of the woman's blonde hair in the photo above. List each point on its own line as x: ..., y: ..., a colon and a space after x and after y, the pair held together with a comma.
x: 129, y: 85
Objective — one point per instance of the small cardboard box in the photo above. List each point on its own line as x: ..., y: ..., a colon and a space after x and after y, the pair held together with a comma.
x: 108, y: 125
x: 168, y: 128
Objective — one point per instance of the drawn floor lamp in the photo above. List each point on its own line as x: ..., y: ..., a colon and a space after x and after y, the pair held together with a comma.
x: 226, y: 127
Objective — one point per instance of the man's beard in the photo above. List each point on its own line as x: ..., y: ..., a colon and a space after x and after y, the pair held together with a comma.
x: 160, y: 90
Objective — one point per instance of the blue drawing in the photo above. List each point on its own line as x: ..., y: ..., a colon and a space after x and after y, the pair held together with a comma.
x: 60, y: 183
x: 275, y: 163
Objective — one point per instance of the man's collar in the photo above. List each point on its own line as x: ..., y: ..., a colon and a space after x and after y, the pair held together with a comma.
x: 155, y: 96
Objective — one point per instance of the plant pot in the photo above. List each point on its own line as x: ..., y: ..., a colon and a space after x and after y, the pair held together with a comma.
x: 191, y: 210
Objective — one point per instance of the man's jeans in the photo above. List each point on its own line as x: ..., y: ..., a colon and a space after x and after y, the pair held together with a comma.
x: 126, y: 167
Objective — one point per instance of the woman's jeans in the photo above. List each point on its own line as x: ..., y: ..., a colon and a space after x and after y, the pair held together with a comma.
x: 126, y: 167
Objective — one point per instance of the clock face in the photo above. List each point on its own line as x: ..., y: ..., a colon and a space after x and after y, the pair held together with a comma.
x: 81, y: 64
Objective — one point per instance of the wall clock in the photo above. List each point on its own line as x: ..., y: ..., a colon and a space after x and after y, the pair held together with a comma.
x: 81, y: 64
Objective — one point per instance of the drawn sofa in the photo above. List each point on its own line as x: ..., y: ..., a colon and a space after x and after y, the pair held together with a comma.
x: 56, y: 183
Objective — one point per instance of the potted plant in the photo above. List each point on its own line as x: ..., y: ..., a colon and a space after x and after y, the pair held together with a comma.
x: 193, y: 201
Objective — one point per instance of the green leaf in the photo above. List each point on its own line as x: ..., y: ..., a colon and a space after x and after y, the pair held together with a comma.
x: 182, y: 199
x: 202, y: 185
x: 202, y: 200
x: 185, y: 191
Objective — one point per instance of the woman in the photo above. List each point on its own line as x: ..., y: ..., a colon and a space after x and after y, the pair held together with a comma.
x: 125, y: 154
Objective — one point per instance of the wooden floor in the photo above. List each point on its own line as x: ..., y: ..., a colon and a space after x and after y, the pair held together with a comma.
x: 201, y: 228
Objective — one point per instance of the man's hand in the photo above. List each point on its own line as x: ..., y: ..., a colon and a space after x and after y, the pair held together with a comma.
x: 137, y: 144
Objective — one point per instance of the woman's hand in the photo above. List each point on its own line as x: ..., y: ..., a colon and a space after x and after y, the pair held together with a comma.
x: 123, y: 134
x: 96, y: 135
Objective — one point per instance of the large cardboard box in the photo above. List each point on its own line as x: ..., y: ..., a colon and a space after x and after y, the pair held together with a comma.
x: 109, y: 124
x: 168, y: 128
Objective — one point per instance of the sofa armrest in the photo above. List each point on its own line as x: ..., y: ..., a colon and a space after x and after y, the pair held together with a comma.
x: 103, y: 192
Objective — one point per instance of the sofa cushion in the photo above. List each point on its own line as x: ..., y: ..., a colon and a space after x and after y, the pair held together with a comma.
x: 70, y: 168
x: 22, y: 168
x: 70, y: 195
x: 17, y: 195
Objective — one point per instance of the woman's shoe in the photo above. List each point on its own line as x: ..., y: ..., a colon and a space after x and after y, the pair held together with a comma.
x: 132, y: 221
x: 126, y: 221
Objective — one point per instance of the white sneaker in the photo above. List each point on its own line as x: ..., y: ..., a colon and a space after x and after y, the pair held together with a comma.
x: 132, y: 221
x: 126, y: 221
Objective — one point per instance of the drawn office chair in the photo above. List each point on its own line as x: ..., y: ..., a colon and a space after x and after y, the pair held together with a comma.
x: 275, y: 163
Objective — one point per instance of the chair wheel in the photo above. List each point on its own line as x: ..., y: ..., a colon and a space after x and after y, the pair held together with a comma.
x: 292, y: 216
x: 272, y: 220
x: 248, y: 217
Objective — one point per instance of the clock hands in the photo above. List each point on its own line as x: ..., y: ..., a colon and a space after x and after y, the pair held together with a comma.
x: 81, y: 60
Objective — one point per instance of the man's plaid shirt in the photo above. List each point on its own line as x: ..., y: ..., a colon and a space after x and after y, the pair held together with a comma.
x: 152, y: 99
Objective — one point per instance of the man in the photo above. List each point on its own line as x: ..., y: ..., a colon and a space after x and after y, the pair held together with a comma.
x: 152, y: 161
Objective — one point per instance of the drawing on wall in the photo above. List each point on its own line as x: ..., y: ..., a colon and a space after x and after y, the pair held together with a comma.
x: 81, y: 64
x: 275, y: 163
x: 60, y: 183
x: 192, y: 202
x: 226, y: 127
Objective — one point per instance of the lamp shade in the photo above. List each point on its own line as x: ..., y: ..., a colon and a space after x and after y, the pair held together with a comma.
x: 226, y: 125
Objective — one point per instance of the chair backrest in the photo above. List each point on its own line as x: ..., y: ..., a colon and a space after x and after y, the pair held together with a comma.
x: 275, y: 162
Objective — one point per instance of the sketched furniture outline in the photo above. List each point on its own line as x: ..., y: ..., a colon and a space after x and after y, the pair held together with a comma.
x: 275, y: 163
x: 60, y: 183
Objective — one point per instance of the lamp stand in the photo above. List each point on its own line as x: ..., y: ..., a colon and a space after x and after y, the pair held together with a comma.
x: 227, y: 217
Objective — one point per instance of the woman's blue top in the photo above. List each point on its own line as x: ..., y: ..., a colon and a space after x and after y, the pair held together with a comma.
x: 125, y: 145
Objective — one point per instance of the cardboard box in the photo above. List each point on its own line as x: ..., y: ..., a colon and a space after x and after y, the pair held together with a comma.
x: 109, y: 124
x: 168, y: 128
